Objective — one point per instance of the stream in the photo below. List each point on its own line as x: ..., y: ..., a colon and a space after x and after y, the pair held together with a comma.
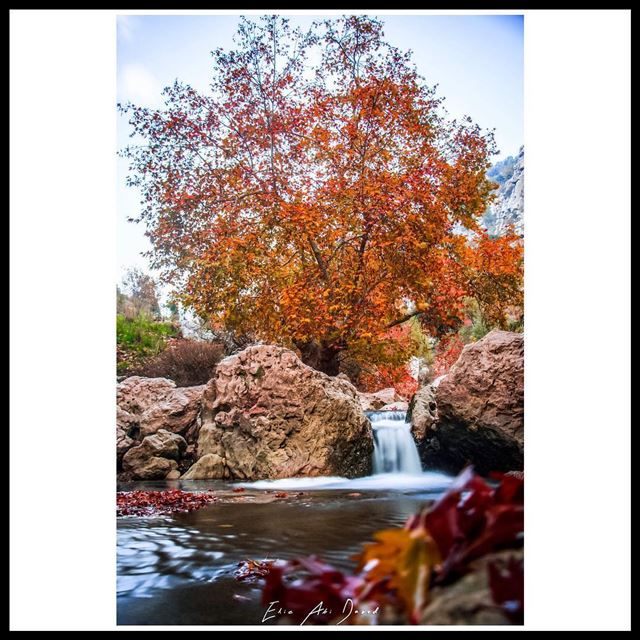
x: 179, y: 569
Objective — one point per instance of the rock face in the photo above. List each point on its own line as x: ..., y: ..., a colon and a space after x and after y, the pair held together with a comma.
x: 136, y: 394
x: 268, y: 415
x: 147, y: 405
x: 423, y: 412
x: 176, y: 412
x: 155, y: 457
x: 376, y: 401
x: 508, y: 207
x: 479, y: 413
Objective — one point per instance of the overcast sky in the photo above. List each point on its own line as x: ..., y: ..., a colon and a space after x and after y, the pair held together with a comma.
x: 477, y: 61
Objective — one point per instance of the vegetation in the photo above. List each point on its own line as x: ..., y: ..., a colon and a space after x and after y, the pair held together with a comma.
x: 139, y: 296
x: 186, y: 362
x: 138, y: 338
x: 314, y: 197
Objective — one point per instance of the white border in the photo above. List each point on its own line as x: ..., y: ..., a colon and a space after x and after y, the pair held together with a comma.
x: 577, y: 295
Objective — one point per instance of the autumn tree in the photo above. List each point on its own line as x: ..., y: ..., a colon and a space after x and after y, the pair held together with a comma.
x: 495, y: 268
x: 139, y: 295
x: 314, y: 196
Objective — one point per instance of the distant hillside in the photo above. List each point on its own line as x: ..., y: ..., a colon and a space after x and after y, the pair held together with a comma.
x: 508, y: 208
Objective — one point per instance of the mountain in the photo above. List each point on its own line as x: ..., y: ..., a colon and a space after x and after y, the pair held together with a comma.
x: 508, y: 207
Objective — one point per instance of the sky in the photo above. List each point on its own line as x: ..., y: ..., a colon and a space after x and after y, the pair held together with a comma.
x: 476, y: 61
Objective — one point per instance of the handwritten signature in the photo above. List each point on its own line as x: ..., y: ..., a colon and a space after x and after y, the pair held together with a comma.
x: 274, y: 611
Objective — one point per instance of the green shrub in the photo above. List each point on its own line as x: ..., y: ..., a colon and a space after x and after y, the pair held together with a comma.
x: 477, y: 327
x: 139, y: 338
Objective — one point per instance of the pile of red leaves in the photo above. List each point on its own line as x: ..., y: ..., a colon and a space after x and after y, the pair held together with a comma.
x: 158, y: 503
x: 435, y: 547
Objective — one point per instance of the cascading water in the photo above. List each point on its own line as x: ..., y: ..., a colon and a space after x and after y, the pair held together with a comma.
x: 396, y: 464
x: 394, y: 448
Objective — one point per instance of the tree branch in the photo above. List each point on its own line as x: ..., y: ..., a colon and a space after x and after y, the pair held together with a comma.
x: 404, y: 318
x: 318, y: 257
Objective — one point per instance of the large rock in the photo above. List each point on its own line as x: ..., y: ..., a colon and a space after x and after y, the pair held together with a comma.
x: 137, y: 394
x: 155, y: 457
x: 146, y: 405
x: 468, y: 601
x: 423, y: 412
x: 127, y: 425
x: 176, y: 412
x: 208, y: 467
x: 268, y: 415
x: 508, y: 208
x: 480, y: 409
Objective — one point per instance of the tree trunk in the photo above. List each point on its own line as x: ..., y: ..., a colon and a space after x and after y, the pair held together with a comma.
x: 321, y: 357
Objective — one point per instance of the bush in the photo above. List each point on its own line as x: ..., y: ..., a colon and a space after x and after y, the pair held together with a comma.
x: 186, y: 362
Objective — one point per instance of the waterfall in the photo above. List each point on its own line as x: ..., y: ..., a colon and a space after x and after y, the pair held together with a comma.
x: 394, y: 448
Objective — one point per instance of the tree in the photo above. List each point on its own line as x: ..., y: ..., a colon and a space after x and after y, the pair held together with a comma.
x: 495, y: 278
x: 141, y: 295
x: 312, y: 198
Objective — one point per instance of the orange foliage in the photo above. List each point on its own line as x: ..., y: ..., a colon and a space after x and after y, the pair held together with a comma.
x: 316, y: 208
x: 495, y: 277
x: 384, y: 376
x: 447, y: 352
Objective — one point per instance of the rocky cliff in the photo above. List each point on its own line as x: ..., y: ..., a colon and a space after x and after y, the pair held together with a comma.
x: 508, y: 207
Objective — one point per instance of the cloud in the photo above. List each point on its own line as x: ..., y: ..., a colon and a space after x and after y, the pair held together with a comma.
x: 137, y: 84
x: 125, y: 27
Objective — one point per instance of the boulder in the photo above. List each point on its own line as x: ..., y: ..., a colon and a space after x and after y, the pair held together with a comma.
x: 480, y: 409
x: 208, y: 467
x: 155, y: 456
x: 127, y: 427
x: 422, y: 412
x: 267, y: 415
x: 137, y: 394
x: 146, y: 405
x: 468, y: 601
x: 375, y: 401
x: 176, y: 412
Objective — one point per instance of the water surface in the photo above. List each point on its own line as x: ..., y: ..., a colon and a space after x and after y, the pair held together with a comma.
x: 179, y: 569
